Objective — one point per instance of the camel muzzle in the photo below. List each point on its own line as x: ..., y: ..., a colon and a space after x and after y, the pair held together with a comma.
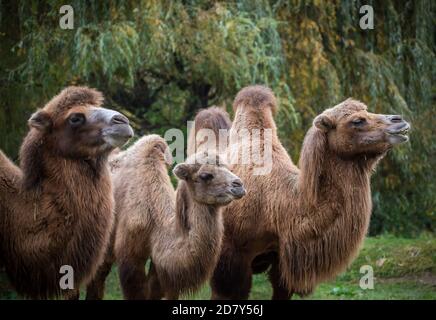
x: 237, y: 190
x: 397, y: 131
x: 116, y: 130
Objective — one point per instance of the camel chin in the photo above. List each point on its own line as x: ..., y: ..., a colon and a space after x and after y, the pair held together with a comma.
x: 396, y: 139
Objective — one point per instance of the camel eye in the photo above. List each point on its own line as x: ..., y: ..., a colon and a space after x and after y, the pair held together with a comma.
x: 76, y: 119
x: 358, y: 121
x: 206, y: 176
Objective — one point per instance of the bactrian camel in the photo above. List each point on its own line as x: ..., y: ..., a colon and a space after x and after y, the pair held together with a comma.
x: 56, y: 208
x: 181, y: 232
x: 303, y: 225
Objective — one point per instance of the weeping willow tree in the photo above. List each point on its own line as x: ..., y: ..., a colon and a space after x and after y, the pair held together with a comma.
x: 160, y: 61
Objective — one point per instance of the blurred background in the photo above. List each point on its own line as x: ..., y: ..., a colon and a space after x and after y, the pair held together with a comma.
x: 161, y: 61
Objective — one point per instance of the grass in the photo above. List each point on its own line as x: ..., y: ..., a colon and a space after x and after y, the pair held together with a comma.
x: 403, y: 269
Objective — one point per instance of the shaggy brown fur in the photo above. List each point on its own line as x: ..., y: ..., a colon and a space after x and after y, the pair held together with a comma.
x: 213, y: 119
x: 307, y: 223
x: 176, y: 230
x: 56, y: 208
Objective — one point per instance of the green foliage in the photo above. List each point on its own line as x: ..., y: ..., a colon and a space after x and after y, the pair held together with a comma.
x: 160, y: 61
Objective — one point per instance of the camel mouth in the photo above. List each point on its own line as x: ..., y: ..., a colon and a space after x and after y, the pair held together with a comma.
x: 117, y: 135
x: 227, y: 197
x: 223, y: 199
x: 238, y: 193
x: 398, y: 134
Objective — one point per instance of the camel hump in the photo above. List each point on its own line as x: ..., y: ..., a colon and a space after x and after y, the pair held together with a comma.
x: 148, y: 145
x: 144, y: 148
x: 74, y: 96
x: 213, y: 118
x: 256, y: 96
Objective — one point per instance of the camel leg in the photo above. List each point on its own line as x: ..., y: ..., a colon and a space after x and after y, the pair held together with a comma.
x: 171, y: 296
x: 132, y: 278
x: 280, y: 292
x: 95, y: 289
x: 232, y: 277
x: 71, y: 294
x: 154, y: 289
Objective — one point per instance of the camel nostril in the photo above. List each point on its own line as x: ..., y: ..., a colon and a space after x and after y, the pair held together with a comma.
x: 237, y: 183
x: 396, y: 119
x: 119, y: 119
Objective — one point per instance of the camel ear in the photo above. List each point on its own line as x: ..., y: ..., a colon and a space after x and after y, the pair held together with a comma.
x: 182, y: 171
x: 40, y: 120
x: 323, y: 122
x: 165, y: 151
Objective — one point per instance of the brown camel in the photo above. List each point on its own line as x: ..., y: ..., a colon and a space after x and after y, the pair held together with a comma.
x: 57, y: 208
x: 304, y: 225
x: 180, y: 231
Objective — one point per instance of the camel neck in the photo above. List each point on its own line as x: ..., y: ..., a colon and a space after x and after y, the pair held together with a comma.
x: 324, y: 175
x: 69, y: 173
x: 203, y: 213
x: 336, y: 183
x: 334, y: 193
x: 334, y: 209
x: 41, y: 166
x: 192, y: 215
x: 342, y: 177
x: 342, y: 206
x: 198, y: 234
x: 71, y: 185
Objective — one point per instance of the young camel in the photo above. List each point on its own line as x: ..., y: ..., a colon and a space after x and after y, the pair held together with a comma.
x: 180, y: 231
x: 56, y: 209
x: 304, y: 225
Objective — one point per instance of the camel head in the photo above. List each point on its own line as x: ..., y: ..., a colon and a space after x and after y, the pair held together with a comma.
x: 75, y: 126
x: 353, y: 131
x: 209, y: 179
